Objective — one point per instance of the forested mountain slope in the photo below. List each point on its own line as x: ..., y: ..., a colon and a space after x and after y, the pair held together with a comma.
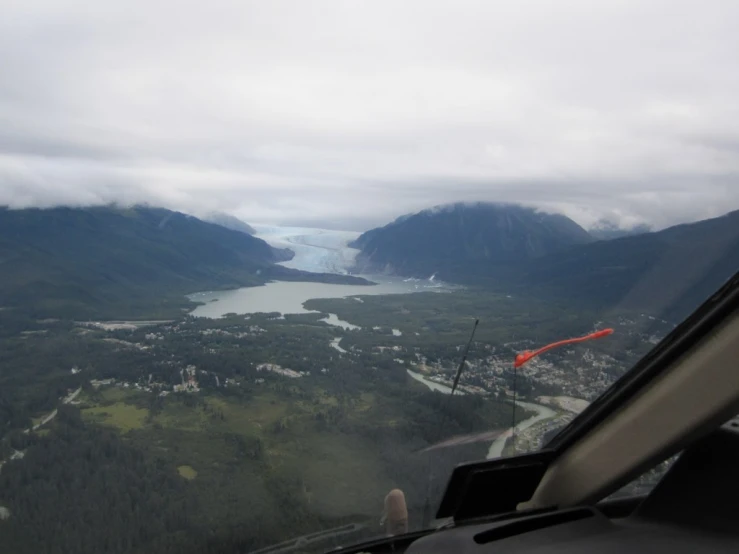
x: 668, y: 272
x: 458, y: 239
x: 112, y: 262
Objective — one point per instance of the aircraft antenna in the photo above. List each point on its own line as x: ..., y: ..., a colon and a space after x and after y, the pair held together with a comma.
x: 427, y: 507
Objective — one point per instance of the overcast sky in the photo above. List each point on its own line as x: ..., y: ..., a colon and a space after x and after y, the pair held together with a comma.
x: 351, y: 113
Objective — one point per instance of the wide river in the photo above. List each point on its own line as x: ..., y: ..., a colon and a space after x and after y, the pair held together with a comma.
x: 288, y: 297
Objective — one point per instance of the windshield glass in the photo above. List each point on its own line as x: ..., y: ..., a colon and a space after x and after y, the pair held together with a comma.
x: 249, y: 249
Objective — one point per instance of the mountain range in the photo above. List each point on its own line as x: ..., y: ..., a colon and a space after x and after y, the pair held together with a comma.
x: 111, y: 262
x: 120, y: 262
x: 669, y: 272
x: 458, y: 238
x: 520, y: 249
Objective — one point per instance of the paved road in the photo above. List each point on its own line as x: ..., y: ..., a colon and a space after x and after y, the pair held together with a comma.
x: 52, y: 415
x: 18, y: 454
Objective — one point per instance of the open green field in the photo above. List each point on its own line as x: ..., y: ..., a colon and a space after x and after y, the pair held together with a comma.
x: 124, y: 417
x: 187, y: 472
x: 114, y: 407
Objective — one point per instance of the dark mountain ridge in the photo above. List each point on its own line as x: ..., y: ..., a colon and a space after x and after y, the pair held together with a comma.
x: 669, y: 272
x: 126, y: 262
x: 452, y: 240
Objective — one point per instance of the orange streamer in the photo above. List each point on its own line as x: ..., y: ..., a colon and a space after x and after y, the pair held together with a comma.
x: 524, y: 357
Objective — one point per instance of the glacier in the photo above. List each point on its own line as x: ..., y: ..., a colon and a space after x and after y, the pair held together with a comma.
x: 316, y: 250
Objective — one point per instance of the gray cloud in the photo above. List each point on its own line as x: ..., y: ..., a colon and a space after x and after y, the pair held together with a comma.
x: 350, y: 113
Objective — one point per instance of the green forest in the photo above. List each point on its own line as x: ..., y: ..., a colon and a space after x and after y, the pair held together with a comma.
x: 244, y: 457
x: 229, y: 468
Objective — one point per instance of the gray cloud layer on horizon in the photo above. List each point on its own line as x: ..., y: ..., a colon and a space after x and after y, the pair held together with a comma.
x: 351, y: 113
